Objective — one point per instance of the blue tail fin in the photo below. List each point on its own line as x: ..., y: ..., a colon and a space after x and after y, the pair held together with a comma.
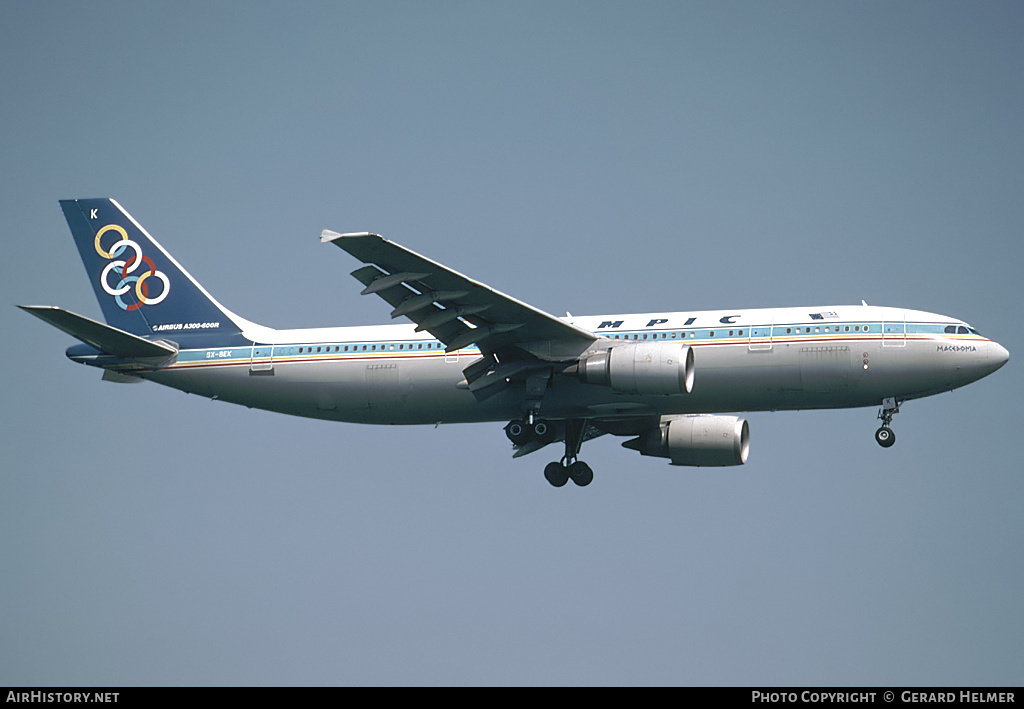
x: 141, y: 288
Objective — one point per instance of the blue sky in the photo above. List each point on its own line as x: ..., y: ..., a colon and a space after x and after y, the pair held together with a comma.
x: 590, y: 157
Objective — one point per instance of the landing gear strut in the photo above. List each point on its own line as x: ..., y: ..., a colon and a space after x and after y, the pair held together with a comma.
x: 884, y: 435
x: 570, y: 468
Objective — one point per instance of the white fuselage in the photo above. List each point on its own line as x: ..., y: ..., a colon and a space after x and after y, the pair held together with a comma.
x: 745, y: 360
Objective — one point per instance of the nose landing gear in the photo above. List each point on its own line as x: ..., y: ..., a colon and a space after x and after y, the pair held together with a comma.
x: 884, y: 435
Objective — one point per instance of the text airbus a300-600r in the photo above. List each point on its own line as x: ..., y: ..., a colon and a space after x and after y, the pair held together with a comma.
x: 669, y: 382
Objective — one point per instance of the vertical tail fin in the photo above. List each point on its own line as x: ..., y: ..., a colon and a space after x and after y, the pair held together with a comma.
x: 140, y: 287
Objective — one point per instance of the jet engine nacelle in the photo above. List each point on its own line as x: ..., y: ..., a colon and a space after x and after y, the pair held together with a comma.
x: 642, y: 368
x: 697, y: 440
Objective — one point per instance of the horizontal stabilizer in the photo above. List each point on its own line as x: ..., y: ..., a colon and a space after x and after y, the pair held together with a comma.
x: 103, y: 337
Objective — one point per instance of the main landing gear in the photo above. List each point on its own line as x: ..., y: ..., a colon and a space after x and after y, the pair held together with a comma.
x: 884, y: 435
x: 559, y: 473
x: 569, y: 467
x: 522, y: 432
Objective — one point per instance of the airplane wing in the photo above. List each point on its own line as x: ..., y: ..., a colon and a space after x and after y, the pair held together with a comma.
x: 457, y: 310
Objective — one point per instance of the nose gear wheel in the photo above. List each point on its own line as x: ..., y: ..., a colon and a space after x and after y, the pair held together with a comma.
x: 884, y: 435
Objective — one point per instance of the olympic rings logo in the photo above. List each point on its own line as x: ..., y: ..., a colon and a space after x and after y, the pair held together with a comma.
x: 121, y: 268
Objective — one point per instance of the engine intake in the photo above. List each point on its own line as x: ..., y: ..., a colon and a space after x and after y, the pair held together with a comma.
x: 702, y: 440
x: 642, y: 368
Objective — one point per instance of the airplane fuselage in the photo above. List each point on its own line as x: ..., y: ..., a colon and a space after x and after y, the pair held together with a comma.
x: 745, y: 360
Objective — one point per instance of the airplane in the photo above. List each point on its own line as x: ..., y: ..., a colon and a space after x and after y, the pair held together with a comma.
x: 670, y: 382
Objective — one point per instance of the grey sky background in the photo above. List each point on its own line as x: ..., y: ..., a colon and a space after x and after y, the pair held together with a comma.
x: 590, y: 157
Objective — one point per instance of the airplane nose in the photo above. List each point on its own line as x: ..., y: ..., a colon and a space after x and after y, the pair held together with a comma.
x: 993, y: 356
x: 998, y: 356
x: 981, y: 362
